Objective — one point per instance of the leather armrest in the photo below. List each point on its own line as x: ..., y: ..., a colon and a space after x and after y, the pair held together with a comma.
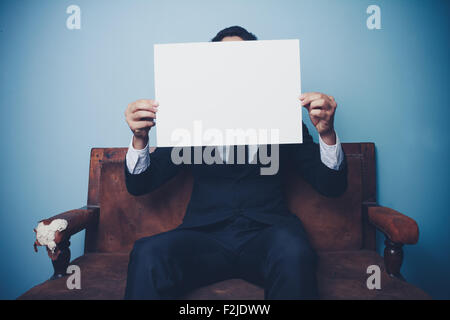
x: 77, y: 220
x: 398, y: 227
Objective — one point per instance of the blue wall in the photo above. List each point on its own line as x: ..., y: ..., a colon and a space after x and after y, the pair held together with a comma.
x: 63, y: 92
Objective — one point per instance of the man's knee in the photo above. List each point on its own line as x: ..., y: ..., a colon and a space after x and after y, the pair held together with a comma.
x: 293, y: 250
x: 301, y: 254
x: 146, y: 250
x: 148, y: 272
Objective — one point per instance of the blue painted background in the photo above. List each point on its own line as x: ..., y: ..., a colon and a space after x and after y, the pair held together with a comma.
x: 63, y: 92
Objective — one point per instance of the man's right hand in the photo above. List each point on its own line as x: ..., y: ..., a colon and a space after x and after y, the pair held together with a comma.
x: 140, y: 116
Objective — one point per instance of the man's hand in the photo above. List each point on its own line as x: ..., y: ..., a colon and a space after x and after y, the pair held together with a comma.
x: 321, y: 109
x: 140, y: 116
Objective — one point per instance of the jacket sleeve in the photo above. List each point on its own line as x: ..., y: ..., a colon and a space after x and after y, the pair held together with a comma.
x: 306, y: 159
x: 160, y: 170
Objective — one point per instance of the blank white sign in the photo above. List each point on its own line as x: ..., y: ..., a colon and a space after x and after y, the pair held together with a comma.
x: 208, y: 90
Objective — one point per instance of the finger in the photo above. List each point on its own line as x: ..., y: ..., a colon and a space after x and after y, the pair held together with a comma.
x: 144, y: 105
x: 142, y: 114
x: 333, y: 102
x: 144, y: 124
x: 139, y: 125
x: 309, y: 97
x: 146, y: 108
x: 317, y: 113
x: 319, y: 104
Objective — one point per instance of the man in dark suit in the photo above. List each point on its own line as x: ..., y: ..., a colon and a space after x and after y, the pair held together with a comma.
x: 237, y: 224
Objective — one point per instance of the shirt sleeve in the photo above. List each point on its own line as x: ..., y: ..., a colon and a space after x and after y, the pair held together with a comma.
x: 137, y: 160
x: 331, y: 156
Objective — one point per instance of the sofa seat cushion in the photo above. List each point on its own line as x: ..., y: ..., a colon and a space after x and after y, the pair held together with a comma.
x: 341, y: 275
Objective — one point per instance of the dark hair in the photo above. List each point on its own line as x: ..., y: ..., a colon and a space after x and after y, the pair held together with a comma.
x: 234, y: 31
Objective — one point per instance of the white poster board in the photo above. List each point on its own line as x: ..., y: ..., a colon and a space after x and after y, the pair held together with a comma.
x: 228, y: 93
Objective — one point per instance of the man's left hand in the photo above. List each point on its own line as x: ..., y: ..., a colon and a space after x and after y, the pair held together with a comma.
x: 321, y: 108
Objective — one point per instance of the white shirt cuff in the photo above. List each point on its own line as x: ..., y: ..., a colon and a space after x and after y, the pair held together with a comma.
x: 331, y: 156
x: 137, y: 160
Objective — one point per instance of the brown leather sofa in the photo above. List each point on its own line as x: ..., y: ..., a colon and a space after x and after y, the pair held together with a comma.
x: 341, y: 229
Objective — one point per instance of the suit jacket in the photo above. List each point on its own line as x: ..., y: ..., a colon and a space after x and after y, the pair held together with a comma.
x: 221, y: 191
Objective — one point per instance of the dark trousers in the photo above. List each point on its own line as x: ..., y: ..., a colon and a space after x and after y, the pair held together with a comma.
x: 171, y: 264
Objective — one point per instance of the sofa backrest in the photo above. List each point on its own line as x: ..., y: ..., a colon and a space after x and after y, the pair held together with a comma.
x: 331, y: 223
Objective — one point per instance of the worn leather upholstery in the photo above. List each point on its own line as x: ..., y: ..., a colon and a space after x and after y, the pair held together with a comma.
x: 398, y: 227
